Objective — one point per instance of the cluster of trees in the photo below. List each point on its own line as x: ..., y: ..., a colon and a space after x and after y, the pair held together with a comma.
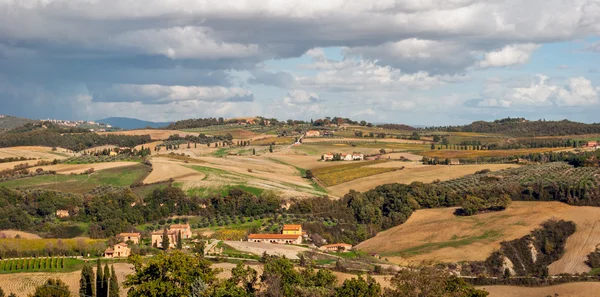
x: 530, y: 255
x: 521, y: 127
x: 399, y: 127
x: 593, y: 259
x: 104, y: 284
x: 15, y: 159
x: 195, y: 123
x: 472, y: 204
x: 177, y: 274
x: 70, y: 138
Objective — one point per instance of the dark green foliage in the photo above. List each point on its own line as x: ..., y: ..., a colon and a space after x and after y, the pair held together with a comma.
x: 70, y: 138
x: 593, y: 259
x: 179, y: 241
x: 281, y: 279
x: 99, y: 279
x: 430, y: 281
x: 87, y: 282
x: 165, y: 239
x: 113, y: 289
x: 52, y: 288
x: 359, y: 287
x: 522, y: 127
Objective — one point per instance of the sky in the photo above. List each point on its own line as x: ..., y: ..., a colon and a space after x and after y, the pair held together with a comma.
x: 417, y: 62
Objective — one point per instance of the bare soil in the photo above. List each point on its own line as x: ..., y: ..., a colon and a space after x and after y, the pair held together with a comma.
x: 585, y: 289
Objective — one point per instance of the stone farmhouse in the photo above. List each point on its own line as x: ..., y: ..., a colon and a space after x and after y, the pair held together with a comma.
x: 291, y: 234
x: 133, y: 237
x: 119, y: 250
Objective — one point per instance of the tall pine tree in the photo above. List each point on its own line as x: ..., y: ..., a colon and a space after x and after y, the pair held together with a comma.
x: 113, y: 287
x: 99, y: 279
x: 165, y: 240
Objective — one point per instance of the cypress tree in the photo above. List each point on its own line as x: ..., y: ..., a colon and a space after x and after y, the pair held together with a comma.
x: 179, y: 242
x: 99, y: 278
x: 105, y: 282
x: 113, y: 288
x: 165, y: 240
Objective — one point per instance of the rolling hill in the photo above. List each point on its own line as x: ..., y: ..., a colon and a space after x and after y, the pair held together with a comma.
x: 9, y: 122
x: 130, y: 123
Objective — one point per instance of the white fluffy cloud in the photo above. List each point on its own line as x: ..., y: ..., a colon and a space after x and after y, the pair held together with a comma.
x: 167, y: 94
x: 300, y: 97
x: 510, y: 55
x: 579, y: 91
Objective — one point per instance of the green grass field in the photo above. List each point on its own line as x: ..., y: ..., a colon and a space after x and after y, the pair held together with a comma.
x: 121, y: 177
x: 57, y: 264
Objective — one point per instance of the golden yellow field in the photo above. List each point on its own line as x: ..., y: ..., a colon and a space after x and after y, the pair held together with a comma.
x: 585, y: 289
x: 80, y: 168
x: 341, y: 173
x: 413, y: 171
x: 439, y: 235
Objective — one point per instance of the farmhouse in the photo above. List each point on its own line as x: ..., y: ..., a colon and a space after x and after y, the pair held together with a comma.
x: 343, y: 157
x: 292, y: 234
x: 119, y: 250
x: 62, y: 213
x: 346, y: 157
x: 186, y: 230
x: 133, y: 237
x: 358, y: 157
x: 454, y: 162
x: 157, y: 238
x: 312, y: 133
x: 327, y: 157
x: 336, y: 247
x: 593, y: 144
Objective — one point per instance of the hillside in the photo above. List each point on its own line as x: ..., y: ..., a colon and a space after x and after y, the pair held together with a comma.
x: 520, y: 127
x: 10, y: 122
x: 130, y: 123
x: 439, y: 235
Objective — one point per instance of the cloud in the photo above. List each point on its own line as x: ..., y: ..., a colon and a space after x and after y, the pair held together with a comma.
x: 579, y: 91
x: 593, y: 47
x: 510, y: 55
x: 300, y: 97
x: 157, y: 94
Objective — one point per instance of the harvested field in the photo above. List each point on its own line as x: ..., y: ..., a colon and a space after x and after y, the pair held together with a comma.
x: 164, y: 169
x: 14, y: 233
x: 357, y: 140
x: 412, y: 172
x: 439, y: 235
x: 338, y: 174
x: 584, y: 289
x: 442, y: 154
x: 80, y: 168
x: 38, y: 152
x: 154, y: 134
x: 258, y: 248
x: 23, y: 284
x: 151, y: 145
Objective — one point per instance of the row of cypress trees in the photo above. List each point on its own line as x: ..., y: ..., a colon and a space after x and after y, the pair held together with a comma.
x: 105, y: 284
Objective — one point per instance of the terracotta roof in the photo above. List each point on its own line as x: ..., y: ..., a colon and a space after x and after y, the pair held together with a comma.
x: 122, y: 244
x: 109, y: 251
x: 130, y: 235
x: 273, y: 236
x: 180, y: 226
x: 292, y: 227
x: 169, y: 232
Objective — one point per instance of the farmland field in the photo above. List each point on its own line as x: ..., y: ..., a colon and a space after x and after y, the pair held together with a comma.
x: 122, y: 176
x: 484, y: 153
x: 337, y: 174
x: 412, y: 173
x: 584, y: 289
x: 474, y: 238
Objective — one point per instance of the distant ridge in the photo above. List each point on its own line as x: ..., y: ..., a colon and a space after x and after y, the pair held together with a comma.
x: 130, y: 123
x: 9, y: 122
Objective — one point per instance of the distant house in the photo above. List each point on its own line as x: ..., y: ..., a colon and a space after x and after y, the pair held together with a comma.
x: 454, y: 162
x: 312, y: 133
x: 112, y: 153
x: 336, y: 247
x: 186, y: 230
x: 157, y: 238
x: 133, y: 237
x: 119, y: 250
x: 593, y: 144
x: 275, y: 238
x: 327, y: 157
x: 291, y: 234
x: 346, y: 157
x: 358, y: 157
x: 62, y: 213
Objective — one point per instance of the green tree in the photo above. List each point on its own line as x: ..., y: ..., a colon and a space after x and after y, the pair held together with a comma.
x: 113, y: 286
x: 309, y: 174
x: 270, y: 148
x: 52, y: 288
x: 179, y: 241
x: 169, y: 275
x: 436, y: 138
x: 105, y: 282
x: 472, y: 204
x: 99, y: 279
x: 430, y: 281
x: 359, y: 287
x: 86, y: 283
x: 2, y: 293
x: 165, y: 239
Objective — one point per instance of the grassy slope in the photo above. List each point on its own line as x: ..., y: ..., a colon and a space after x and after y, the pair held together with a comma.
x: 123, y: 176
